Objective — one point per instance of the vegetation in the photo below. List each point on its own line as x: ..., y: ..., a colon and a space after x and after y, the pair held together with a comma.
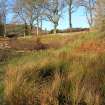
x: 64, y: 67
x: 54, y: 76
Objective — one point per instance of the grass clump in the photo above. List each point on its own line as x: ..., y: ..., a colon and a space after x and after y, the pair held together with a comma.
x: 71, y: 80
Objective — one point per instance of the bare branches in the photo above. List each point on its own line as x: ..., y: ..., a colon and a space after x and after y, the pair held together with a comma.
x: 89, y: 7
x: 28, y: 11
x: 53, y: 11
x: 72, y: 7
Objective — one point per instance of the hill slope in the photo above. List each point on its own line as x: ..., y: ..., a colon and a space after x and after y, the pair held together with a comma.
x: 69, y: 71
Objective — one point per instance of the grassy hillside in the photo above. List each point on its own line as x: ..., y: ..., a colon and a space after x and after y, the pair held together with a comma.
x: 54, y: 70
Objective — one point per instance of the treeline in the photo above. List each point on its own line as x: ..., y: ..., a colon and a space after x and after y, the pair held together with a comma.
x: 32, y: 13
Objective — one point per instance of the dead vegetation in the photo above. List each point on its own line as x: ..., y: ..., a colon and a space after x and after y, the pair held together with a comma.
x: 92, y: 46
x: 58, y: 73
x: 68, y: 80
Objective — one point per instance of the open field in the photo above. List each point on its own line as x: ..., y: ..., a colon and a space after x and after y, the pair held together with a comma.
x: 53, y: 70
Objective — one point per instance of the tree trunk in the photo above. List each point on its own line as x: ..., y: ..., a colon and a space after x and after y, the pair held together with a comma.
x: 41, y: 23
x: 37, y: 33
x: 4, y: 16
x: 90, y: 14
x: 4, y: 30
x: 91, y: 18
x: 31, y: 28
x: 55, y: 29
x: 70, y: 17
x: 1, y: 29
x: 25, y: 29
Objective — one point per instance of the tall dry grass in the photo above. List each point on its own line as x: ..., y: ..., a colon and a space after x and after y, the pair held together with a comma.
x: 68, y: 79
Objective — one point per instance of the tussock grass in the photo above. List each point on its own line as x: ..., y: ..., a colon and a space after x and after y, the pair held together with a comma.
x: 61, y: 80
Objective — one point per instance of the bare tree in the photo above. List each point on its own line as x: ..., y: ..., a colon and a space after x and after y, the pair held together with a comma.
x: 72, y: 7
x: 89, y: 6
x: 53, y: 11
x: 28, y: 11
x: 20, y: 14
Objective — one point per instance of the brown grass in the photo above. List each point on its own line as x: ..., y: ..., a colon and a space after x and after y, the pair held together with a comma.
x: 57, y: 77
x: 71, y: 80
x: 95, y: 46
